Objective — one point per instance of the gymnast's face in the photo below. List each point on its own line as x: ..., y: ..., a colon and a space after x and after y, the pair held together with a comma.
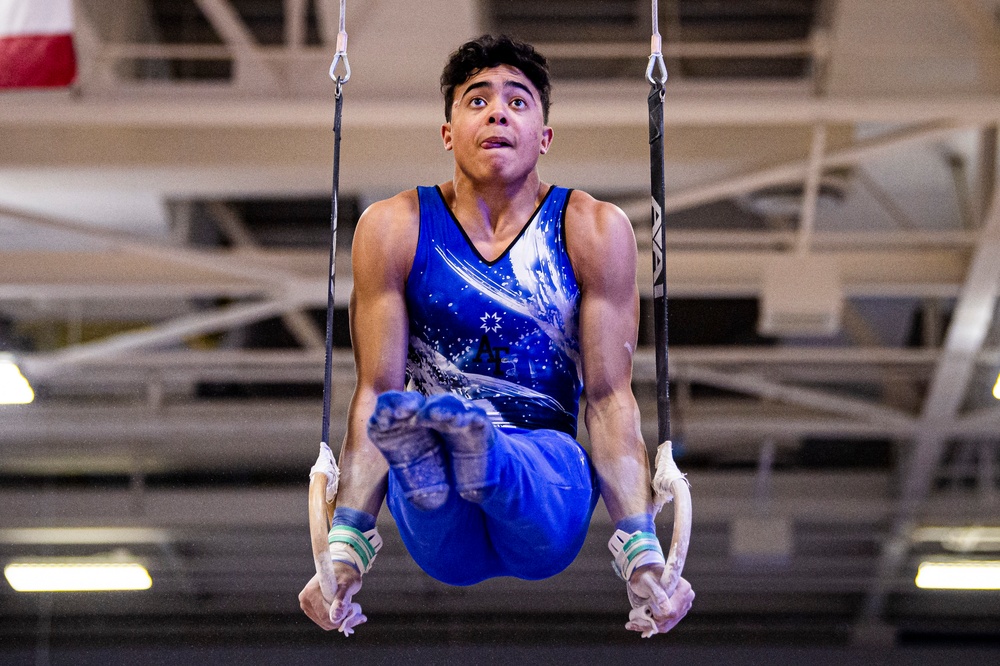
x: 497, y: 128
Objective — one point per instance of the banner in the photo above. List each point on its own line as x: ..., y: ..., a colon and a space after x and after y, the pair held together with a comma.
x: 36, y: 43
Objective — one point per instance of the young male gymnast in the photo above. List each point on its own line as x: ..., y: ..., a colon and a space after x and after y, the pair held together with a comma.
x: 496, y: 299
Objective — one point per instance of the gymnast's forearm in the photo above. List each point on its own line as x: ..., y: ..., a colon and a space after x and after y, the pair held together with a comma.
x: 619, y: 456
x: 363, y: 470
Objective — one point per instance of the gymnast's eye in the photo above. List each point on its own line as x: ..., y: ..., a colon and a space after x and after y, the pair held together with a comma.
x: 477, y: 102
x: 518, y: 103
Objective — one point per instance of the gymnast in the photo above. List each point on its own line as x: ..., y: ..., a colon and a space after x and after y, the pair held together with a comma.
x: 481, y: 309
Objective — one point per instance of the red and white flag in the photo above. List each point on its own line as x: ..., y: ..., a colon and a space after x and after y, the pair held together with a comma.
x: 36, y: 43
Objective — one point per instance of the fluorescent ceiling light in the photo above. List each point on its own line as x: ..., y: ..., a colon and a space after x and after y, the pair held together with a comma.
x: 79, y: 576
x: 971, y: 575
x: 996, y: 388
x: 977, y: 538
x: 83, y: 535
x: 14, y: 388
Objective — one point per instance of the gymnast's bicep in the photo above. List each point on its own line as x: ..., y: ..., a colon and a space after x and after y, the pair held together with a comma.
x: 602, y: 248
x: 382, y: 254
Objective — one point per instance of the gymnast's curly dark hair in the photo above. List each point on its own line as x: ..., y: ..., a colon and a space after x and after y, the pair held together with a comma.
x: 489, y: 51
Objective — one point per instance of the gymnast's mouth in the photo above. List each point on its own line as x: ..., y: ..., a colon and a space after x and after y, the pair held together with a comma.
x: 496, y: 142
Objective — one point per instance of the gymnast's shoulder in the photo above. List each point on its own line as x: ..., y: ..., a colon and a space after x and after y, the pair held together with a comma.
x: 393, y: 215
x: 394, y: 219
x: 388, y: 229
x: 593, y: 227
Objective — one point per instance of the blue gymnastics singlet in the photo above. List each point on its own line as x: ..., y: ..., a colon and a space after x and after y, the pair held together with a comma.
x: 501, y: 333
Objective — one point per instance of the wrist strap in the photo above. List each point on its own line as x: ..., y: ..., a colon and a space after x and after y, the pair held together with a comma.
x: 353, y: 546
x: 634, y: 550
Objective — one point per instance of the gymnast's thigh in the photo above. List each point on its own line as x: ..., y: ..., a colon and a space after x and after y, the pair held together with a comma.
x: 538, y: 515
x: 450, y: 543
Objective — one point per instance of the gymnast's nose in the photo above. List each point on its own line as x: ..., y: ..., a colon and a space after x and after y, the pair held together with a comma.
x: 498, y: 117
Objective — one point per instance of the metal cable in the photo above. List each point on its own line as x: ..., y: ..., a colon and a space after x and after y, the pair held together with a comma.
x: 340, y: 57
x: 656, y: 69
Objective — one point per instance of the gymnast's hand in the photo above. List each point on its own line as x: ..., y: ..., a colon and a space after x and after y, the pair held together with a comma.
x: 653, y: 611
x: 341, y: 612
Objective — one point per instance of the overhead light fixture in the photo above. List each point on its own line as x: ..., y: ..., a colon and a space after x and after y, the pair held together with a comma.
x: 83, y: 535
x: 14, y: 388
x: 996, y: 388
x: 81, y: 575
x: 961, y: 539
x: 957, y: 575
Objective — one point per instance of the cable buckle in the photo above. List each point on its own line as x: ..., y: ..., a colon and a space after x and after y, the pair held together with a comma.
x: 656, y: 65
x: 340, y: 57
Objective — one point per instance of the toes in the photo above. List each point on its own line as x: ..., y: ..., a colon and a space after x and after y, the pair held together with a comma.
x: 450, y: 414
x: 394, y: 408
x: 412, y: 450
x: 445, y: 410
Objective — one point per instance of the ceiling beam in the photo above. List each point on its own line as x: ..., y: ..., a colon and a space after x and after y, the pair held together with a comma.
x: 596, y: 107
x: 121, y: 434
x: 171, y: 332
x: 251, y: 69
x: 239, y: 265
x: 228, y: 24
x: 590, y: 50
x: 813, y: 174
x: 231, y: 224
x: 301, y: 276
x: 797, y: 170
x: 758, y: 385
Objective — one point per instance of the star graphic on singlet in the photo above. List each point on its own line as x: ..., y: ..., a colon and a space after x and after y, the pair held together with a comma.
x: 491, y: 322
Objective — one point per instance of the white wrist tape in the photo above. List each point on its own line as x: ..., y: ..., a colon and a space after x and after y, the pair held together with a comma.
x: 353, y: 546
x: 666, y: 473
x: 326, y: 464
x: 634, y: 550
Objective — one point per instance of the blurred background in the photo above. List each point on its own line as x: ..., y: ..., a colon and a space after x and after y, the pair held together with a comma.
x: 833, y: 264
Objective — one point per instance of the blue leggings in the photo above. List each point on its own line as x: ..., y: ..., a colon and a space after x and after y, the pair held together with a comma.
x: 531, y: 524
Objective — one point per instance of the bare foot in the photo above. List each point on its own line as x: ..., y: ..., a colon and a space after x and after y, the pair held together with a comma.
x: 412, y: 450
x: 468, y: 435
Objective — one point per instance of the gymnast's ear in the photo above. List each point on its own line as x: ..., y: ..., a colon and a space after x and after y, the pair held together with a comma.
x: 546, y: 142
x: 446, y: 135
